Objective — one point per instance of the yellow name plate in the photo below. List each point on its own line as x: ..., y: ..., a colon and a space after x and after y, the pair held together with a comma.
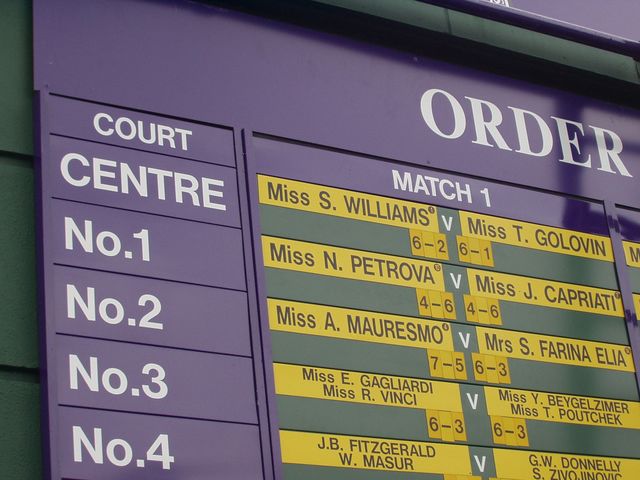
x: 337, y: 202
x: 546, y: 348
x: 632, y: 253
x: 545, y: 293
x: 352, y: 264
x: 521, y: 465
x: 538, y: 237
x: 373, y: 453
x: 556, y: 407
x: 335, y: 322
x: 374, y: 389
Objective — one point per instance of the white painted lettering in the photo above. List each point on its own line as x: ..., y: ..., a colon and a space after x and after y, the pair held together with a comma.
x: 570, y: 141
x: 487, y: 126
x: 426, y: 107
x: 96, y: 124
x: 608, y: 155
x: 64, y: 169
x: 524, y: 146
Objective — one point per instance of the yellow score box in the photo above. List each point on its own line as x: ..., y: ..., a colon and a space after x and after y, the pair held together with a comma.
x: 560, y: 350
x: 527, y: 465
x: 429, y: 244
x: 338, y: 202
x: 369, y: 388
x: 545, y: 293
x: 482, y: 310
x: 446, y: 426
x: 474, y: 250
x: 446, y: 364
x: 539, y: 237
x: 346, y: 323
x: 369, y: 453
x: 491, y: 368
x: 562, y: 408
x: 435, y: 304
x: 352, y: 264
x: 632, y: 253
x: 509, y: 431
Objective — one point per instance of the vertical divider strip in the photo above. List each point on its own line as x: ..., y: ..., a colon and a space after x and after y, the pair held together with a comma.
x: 257, y: 292
x: 622, y: 272
x: 48, y: 422
x: 253, y: 306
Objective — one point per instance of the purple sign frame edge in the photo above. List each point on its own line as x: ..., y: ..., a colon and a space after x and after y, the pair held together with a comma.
x: 40, y: 132
x: 261, y: 369
x: 538, y: 23
x: 247, y: 244
x: 260, y: 299
x: 49, y: 419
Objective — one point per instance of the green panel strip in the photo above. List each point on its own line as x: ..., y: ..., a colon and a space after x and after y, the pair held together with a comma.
x: 307, y: 472
x: 584, y: 439
x: 563, y: 323
x: 349, y: 355
x: 634, y: 277
x: 564, y: 268
x: 571, y: 379
x: 315, y: 415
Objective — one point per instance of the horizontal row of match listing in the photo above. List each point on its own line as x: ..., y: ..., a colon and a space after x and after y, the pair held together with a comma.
x: 341, y: 262
x: 331, y: 201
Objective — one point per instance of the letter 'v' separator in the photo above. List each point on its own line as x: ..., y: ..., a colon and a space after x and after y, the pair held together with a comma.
x: 624, y: 283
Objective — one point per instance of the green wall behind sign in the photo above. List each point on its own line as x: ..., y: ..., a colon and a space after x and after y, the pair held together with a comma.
x: 20, y: 444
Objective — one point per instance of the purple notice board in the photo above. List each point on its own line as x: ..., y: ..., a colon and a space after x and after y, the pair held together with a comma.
x: 152, y: 131
x: 149, y: 365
